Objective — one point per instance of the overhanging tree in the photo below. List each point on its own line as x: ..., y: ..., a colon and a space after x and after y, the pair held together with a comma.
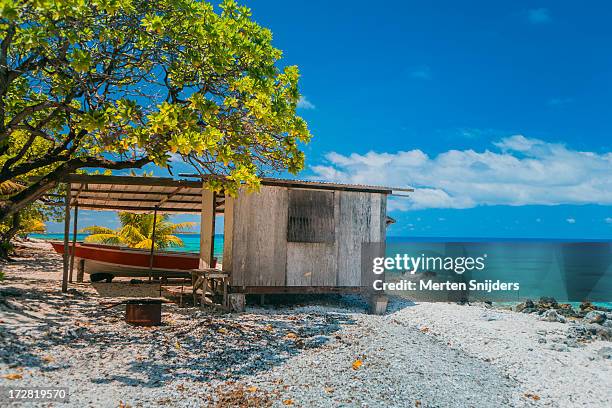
x: 118, y: 84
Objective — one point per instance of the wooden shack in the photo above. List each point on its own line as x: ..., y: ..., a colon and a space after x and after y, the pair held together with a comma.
x: 291, y: 236
x: 301, y: 237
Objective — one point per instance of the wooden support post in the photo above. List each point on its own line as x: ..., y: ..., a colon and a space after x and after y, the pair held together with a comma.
x: 152, y: 253
x: 213, y: 219
x: 66, y: 240
x: 207, y: 229
x: 225, y: 301
x: 228, y: 233
x: 74, y: 238
x: 80, y: 270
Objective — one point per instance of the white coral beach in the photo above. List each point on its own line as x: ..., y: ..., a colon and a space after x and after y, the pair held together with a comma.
x: 325, y: 353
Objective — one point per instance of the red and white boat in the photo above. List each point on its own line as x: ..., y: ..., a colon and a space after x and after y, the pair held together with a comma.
x: 130, y: 262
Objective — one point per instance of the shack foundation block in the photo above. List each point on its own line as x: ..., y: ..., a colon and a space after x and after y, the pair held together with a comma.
x: 237, y: 302
x: 378, y: 304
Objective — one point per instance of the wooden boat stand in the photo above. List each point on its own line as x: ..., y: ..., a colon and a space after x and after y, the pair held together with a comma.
x: 212, y: 282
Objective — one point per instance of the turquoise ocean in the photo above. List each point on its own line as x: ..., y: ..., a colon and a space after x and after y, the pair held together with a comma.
x: 528, y: 266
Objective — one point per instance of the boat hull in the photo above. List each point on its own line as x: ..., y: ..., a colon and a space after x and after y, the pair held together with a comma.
x: 130, y: 262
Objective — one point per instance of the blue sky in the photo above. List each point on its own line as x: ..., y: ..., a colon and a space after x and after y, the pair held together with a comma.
x: 498, y: 113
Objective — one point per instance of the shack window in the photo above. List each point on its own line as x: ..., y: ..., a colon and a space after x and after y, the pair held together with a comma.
x: 311, y: 216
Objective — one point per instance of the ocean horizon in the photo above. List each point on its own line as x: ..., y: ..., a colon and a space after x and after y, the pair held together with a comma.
x: 191, y: 241
x: 529, y: 265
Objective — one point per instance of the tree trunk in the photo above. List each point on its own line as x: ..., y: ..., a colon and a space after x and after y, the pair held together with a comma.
x: 27, y: 196
x: 6, y: 237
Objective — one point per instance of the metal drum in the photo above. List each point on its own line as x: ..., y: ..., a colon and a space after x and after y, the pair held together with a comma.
x: 143, y: 312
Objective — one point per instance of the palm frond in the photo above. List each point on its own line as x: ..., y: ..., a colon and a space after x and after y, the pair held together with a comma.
x: 171, y: 241
x: 127, y: 218
x: 131, y: 234
x: 182, y: 226
x: 96, y: 229
x: 109, y: 239
x: 145, y: 244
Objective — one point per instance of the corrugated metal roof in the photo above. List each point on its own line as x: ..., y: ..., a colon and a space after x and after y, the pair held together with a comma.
x: 145, y: 194
x: 326, y: 185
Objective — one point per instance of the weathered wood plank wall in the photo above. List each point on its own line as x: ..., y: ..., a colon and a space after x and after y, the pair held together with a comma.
x: 260, y: 238
x: 261, y: 255
x: 311, y: 264
x: 354, y: 227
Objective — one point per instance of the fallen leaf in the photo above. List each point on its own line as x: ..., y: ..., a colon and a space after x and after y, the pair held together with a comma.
x: 417, y: 403
x: 288, y: 402
x: 329, y: 390
x: 222, y: 331
x: 177, y: 345
x: 534, y: 397
x: 252, y: 388
x: 291, y: 336
x: 13, y: 376
x: 47, y: 359
x: 356, y: 364
x: 424, y: 329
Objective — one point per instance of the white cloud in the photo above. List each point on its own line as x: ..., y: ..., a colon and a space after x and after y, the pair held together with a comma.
x: 517, y: 171
x: 608, y: 220
x: 304, y: 103
x: 571, y: 220
x: 539, y: 16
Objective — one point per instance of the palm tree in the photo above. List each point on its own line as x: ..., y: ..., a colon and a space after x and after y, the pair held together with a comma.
x: 136, y: 232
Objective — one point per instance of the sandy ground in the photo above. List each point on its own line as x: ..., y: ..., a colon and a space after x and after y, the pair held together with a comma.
x: 321, y: 352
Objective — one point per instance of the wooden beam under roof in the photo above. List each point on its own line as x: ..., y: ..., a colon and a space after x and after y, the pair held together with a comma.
x: 169, y: 196
x: 134, y: 199
x: 131, y: 180
x: 137, y: 192
x: 129, y: 208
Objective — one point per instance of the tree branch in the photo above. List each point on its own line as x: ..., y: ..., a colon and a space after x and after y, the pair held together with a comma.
x: 20, y: 154
x: 40, y: 187
x: 33, y: 109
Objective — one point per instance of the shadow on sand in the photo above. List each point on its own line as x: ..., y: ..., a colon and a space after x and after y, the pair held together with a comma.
x: 194, y: 344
